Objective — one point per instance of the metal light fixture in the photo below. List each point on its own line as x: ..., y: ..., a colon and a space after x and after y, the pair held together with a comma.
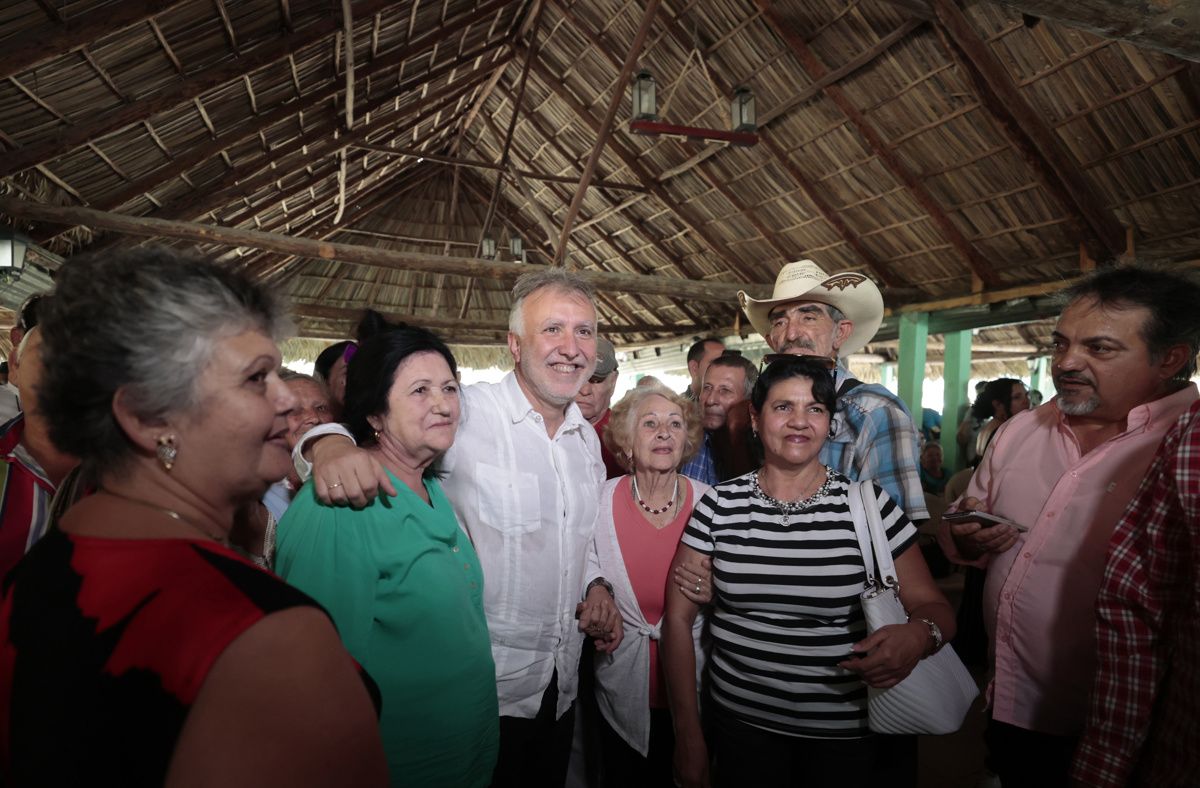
x: 741, y: 111
x: 517, y: 247
x: 13, y: 246
x: 488, y: 248
x: 644, y: 107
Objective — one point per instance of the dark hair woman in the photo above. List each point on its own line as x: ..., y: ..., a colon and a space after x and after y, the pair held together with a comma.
x: 137, y: 648
x: 791, y: 659
x: 399, y: 576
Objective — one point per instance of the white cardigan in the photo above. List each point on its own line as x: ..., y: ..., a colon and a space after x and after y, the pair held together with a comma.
x: 623, y: 678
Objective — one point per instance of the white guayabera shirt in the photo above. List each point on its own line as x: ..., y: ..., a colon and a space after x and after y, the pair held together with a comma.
x: 528, y: 501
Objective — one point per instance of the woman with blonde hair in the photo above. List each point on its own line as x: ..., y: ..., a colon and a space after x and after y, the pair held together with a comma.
x: 641, y: 517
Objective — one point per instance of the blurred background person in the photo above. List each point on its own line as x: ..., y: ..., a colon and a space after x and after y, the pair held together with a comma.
x: 934, y: 474
x: 330, y: 369
x: 699, y: 356
x: 641, y: 518
x: 399, y: 576
x: 137, y: 648
x: 595, y: 397
x: 791, y: 659
x: 1000, y: 400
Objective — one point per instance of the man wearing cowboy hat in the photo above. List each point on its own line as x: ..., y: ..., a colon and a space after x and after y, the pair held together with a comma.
x: 814, y: 313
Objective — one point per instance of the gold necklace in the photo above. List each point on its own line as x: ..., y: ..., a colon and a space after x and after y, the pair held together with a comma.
x: 174, y: 515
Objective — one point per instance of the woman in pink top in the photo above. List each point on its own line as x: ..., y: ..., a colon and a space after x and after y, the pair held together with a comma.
x: 641, y: 518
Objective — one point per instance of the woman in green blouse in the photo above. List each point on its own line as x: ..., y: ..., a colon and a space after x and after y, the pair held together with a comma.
x: 399, y: 577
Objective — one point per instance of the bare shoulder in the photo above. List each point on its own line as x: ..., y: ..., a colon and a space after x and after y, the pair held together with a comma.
x: 284, y: 704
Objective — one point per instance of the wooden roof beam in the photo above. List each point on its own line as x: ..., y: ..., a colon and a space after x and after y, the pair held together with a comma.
x: 1029, y: 132
x: 554, y: 237
x: 723, y: 292
x: 816, y: 70
x: 42, y: 47
x: 190, y: 87
x: 323, y: 312
x: 1166, y: 25
x: 685, y: 217
x: 604, y: 132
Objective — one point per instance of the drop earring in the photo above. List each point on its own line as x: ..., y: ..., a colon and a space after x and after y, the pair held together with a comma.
x: 167, y: 451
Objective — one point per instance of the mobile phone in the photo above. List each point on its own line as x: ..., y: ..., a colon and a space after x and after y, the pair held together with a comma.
x: 987, y: 518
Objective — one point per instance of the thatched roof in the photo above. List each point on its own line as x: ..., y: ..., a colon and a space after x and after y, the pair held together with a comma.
x: 954, y: 154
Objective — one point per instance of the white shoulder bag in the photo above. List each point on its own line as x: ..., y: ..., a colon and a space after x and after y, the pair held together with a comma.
x: 937, y: 695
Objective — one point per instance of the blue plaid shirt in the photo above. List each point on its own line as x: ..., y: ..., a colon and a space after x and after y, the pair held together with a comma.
x: 875, y: 439
x: 701, y: 467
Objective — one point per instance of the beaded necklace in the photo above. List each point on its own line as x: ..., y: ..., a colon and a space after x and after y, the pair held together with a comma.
x: 788, y: 508
x: 669, y: 505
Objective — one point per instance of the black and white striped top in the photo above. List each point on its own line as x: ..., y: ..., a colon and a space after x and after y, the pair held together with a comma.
x: 786, y: 607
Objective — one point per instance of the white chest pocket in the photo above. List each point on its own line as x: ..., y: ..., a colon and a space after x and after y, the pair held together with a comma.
x: 507, y: 501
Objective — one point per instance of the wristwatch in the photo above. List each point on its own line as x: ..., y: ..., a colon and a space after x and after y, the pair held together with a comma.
x: 600, y: 581
x: 935, y: 634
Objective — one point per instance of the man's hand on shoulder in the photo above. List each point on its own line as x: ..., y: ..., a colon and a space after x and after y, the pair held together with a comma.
x: 344, y: 474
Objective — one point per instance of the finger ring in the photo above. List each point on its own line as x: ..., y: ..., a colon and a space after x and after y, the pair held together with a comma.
x: 697, y: 588
x: 338, y: 484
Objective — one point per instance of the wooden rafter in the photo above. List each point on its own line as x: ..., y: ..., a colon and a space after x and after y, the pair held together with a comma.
x: 1166, y: 25
x: 458, y: 161
x: 191, y: 87
x: 362, y: 255
x: 816, y: 70
x: 604, y: 130
x: 1037, y: 143
x: 43, y: 47
x: 686, y: 217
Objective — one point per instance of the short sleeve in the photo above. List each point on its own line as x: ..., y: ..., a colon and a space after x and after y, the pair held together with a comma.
x: 698, y: 534
x: 901, y: 533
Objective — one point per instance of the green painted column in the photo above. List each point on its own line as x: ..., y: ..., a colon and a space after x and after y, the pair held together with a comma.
x: 956, y: 376
x: 887, y: 375
x: 914, y: 331
x: 1038, y: 377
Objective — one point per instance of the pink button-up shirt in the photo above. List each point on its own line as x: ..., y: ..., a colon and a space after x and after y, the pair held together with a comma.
x: 1040, y: 596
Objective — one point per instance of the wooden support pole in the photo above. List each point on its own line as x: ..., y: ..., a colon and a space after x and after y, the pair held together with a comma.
x: 723, y: 292
x: 956, y: 375
x: 914, y: 330
x: 605, y: 129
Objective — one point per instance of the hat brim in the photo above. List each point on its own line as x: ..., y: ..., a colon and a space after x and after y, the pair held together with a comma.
x: 854, y: 295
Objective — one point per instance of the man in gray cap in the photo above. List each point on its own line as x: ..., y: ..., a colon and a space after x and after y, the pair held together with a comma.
x: 595, y: 398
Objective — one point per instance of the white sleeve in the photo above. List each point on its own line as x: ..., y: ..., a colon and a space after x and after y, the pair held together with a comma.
x: 304, y: 467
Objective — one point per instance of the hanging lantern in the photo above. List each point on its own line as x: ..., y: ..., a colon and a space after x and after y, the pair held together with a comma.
x: 644, y: 107
x: 488, y: 248
x: 741, y: 111
x: 516, y: 246
x: 12, y: 255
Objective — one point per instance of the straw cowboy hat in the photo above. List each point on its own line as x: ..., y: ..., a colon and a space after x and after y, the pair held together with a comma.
x: 853, y: 293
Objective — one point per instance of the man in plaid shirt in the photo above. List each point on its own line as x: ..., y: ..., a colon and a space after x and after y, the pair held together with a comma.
x: 1144, y: 725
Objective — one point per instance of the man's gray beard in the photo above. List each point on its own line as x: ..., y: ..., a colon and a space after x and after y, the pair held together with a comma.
x: 1078, y: 408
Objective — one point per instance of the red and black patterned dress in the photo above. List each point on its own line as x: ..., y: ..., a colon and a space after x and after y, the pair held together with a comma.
x: 104, y: 646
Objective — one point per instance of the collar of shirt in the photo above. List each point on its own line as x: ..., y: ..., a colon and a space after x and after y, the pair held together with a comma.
x: 1144, y: 416
x: 518, y: 407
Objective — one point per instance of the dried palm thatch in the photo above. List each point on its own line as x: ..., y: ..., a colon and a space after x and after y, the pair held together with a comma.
x: 947, y: 152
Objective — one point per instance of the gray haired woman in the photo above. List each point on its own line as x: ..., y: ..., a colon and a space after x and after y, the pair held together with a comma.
x: 136, y: 647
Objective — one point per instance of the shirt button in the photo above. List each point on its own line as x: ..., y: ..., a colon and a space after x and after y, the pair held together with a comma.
x: 1074, y: 474
x: 466, y: 566
x: 1008, y: 595
x: 454, y: 549
x: 1029, y: 555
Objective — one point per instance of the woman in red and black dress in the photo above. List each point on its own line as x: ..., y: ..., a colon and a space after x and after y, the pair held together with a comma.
x: 136, y: 647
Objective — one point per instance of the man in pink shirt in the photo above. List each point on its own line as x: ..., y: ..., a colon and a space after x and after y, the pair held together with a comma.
x: 1123, y: 351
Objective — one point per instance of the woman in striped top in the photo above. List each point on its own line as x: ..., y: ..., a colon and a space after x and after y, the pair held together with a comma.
x: 791, y: 659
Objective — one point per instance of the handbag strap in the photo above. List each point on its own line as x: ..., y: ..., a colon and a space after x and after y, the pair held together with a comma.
x: 872, y: 538
x: 862, y: 530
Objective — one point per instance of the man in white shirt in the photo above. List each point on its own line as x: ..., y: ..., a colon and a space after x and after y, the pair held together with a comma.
x: 524, y: 476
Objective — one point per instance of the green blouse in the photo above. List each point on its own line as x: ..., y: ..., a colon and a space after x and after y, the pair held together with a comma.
x: 405, y: 589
